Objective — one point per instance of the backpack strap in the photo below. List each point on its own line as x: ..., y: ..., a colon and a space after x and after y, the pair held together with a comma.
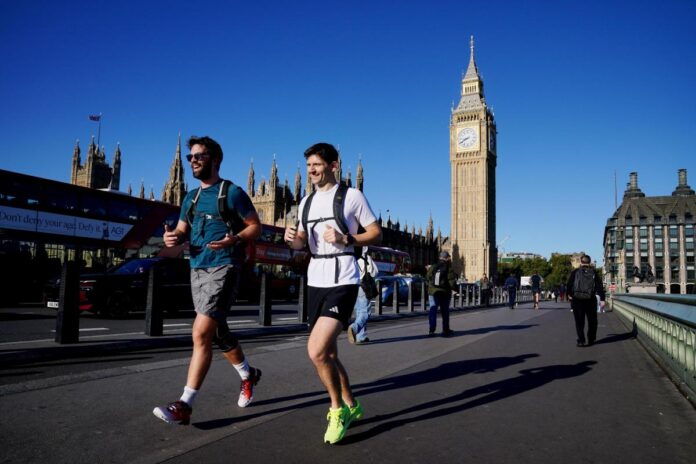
x: 338, y: 206
x: 229, y: 217
x: 192, y: 207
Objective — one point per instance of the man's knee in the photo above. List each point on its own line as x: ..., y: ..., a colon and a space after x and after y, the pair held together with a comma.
x: 226, y: 340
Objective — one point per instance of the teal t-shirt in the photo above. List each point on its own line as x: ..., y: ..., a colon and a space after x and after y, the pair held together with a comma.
x: 208, y: 226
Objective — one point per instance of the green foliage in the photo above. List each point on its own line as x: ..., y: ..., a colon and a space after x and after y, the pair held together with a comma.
x: 554, y: 272
x: 560, y: 270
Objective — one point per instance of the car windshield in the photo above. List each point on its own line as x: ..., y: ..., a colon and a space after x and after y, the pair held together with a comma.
x: 137, y: 266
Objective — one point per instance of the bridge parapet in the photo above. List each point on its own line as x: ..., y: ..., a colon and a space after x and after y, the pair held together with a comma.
x: 666, y: 324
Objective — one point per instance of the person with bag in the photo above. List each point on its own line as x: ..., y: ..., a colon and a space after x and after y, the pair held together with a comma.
x: 217, y: 219
x: 357, y: 331
x: 583, y: 287
x: 441, y: 283
x: 331, y: 217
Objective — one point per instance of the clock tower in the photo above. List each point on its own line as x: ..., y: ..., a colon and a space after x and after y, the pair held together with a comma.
x: 473, y: 162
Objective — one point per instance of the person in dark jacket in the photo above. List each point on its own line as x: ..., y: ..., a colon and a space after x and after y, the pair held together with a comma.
x: 583, y: 300
x: 511, y: 287
x: 441, y: 282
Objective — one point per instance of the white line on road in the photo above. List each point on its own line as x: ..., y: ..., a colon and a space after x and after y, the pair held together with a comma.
x: 287, y: 318
x: 95, y: 329
x: 241, y: 322
x: 176, y: 325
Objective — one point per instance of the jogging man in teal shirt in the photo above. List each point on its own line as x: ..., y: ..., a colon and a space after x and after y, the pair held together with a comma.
x: 217, y: 253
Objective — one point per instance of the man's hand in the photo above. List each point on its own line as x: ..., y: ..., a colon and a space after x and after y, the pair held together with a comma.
x: 602, y: 304
x: 331, y: 235
x: 290, y: 234
x: 171, y: 238
x: 228, y: 241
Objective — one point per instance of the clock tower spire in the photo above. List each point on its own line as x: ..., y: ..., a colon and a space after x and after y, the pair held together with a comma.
x: 473, y: 162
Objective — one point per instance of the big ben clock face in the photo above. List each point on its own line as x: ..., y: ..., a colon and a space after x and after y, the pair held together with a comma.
x: 467, y: 138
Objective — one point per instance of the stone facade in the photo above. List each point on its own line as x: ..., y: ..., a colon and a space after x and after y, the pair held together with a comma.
x: 96, y: 172
x: 473, y: 159
x: 650, y: 240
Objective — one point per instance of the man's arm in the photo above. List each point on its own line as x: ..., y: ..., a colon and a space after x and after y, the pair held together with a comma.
x: 371, y: 236
x: 569, y: 285
x: 250, y: 232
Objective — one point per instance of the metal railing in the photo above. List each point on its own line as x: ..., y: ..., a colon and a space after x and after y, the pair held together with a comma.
x: 667, y: 325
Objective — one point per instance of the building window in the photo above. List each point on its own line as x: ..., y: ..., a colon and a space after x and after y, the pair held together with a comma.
x: 672, y: 219
x: 657, y: 219
x: 642, y: 220
x: 673, y: 232
x: 643, y: 231
x: 629, y: 221
x: 689, y: 230
x: 643, y: 244
x: 659, y: 272
x: 658, y: 231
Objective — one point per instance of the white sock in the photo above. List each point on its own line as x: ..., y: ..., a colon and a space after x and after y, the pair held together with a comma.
x: 243, y: 369
x: 188, y: 396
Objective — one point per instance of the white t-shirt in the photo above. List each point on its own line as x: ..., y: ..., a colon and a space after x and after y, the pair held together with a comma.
x: 321, y: 271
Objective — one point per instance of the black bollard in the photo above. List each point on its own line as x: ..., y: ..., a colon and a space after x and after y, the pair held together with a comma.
x: 378, y: 298
x: 410, y: 295
x: 395, y: 296
x: 68, y: 315
x: 154, y: 319
x: 265, y: 308
x: 302, y: 300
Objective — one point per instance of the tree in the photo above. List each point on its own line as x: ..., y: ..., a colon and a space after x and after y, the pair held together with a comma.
x: 560, y: 270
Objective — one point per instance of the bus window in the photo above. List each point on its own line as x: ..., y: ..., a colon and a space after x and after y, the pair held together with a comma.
x: 93, y: 206
x: 123, y: 210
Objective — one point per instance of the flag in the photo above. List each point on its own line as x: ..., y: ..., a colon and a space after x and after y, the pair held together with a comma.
x: 95, y: 117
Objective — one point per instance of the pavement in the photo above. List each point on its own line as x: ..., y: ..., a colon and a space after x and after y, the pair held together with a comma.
x: 509, y: 386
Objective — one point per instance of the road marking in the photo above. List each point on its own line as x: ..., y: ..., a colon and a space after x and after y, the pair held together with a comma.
x: 176, y: 325
x: 96, y: 329
x: 287, y: 318
x: 241, y: 322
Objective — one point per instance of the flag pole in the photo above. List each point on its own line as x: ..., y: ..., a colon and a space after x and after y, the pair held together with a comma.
x: 99, y: 131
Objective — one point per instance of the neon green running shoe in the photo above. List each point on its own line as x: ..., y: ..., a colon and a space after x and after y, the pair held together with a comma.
x: 339, y: 420
x: 356, y: 411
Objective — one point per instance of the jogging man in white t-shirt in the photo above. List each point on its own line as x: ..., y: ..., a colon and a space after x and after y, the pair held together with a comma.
x: 333, y: 275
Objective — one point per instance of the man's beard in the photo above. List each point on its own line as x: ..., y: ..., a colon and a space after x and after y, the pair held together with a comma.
x: 205, y: 172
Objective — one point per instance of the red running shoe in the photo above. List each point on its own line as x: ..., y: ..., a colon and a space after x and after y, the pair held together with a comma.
x: 177, y: 412
x: 247, y: 388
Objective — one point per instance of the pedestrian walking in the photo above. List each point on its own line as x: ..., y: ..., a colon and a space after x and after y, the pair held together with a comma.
x: 535, y: 280
x: 584, y: 285
x: 441, y: 283
x: 511, y: 287
x: 217, y: 219
x: 333, y: 276
x: 485, y: 291
x: 357, y: 331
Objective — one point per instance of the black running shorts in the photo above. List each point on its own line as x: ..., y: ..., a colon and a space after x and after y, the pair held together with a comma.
x: 333, y: 302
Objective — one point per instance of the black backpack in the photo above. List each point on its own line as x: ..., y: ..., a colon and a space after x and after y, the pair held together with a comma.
x: 584, y: 284
x: 338, y: 205
x: 438, y: 278
x: 367, y: 282
x: 229, y: 216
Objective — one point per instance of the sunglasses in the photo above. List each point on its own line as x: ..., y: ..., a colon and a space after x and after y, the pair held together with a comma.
x: 196, y: 156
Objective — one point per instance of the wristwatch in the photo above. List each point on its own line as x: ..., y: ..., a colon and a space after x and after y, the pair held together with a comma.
x: 350, y: 240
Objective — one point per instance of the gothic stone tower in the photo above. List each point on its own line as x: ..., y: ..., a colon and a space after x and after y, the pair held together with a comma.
x: 96, y: 172
x: 175, y: 188
x: 473, y: 162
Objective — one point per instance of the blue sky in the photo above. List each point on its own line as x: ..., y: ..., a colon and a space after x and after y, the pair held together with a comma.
x: 580, y: 91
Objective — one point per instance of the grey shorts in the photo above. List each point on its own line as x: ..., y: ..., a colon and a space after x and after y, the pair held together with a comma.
x: 214, y: 289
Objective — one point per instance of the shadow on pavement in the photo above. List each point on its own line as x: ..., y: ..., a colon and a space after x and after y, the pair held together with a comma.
x: 528, y: 380
x: 457, y: 333
x: 435, y: 374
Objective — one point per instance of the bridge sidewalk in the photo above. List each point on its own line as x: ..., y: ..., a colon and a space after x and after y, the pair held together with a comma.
x: 510, y: 386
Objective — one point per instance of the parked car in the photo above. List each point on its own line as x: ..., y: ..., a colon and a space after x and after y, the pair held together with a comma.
x: 123, y: 289
x: 402, y: 286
